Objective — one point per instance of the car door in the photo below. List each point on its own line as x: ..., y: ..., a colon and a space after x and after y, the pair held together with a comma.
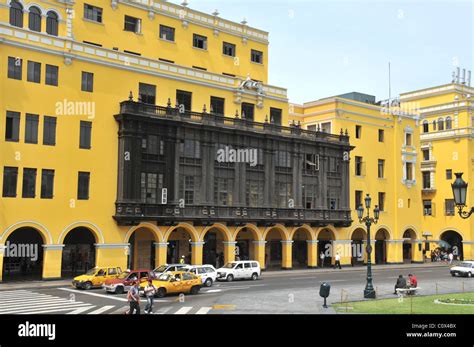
x: 239, y: 271
x: 99, y: 278
x: 176, y: 283
x: 187, y: 282
x: 247, y: 270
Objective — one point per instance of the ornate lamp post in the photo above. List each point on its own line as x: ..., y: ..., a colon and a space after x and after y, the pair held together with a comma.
x: 369, y: 292
x: 460, y: 194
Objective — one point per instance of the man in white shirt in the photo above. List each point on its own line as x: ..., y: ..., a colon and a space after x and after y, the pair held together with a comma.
x: 338, y: 261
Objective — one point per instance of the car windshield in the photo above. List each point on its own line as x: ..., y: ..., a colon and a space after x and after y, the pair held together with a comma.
x: 123, y: 275
x: 465, y: 265
x: 229, y: 265
x: 161, y: 268
x: 164, y: 277
x: 91, y: 272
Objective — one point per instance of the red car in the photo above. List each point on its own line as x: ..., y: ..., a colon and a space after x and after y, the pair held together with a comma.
x: 124, y: 281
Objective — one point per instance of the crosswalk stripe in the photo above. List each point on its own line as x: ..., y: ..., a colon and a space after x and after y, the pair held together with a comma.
x: 183, y: 310
x: 17, y: 296
x: 50, y: 311
x: 2, y: 302
x: 204, y: 310
x: 101, y: 310
x: 37, y: 303
x: 111, y: 297
x: 163, y: 310
x: 81, y: 310
x: 40, y: 308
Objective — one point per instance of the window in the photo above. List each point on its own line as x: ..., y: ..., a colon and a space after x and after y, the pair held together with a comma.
x: 132, y: 24
x: 52, y: 23
x: 93, y: 13
x: 326, y: 127
x: 52, y: 75
x: 427, y: 208
x: 15, y: 68
x: 223, y: 188
x: 275, y: 116
x: 248, y: 111
x: 426, y: 154
x: 358, y: 166
x: 31, y: 128
x: 426, y: 127
x: 358, y: 130
x: 408, y: 139
x: 199, y: 41
x: 34, y: 19
x: 434, y: 125
x: 49, y: 131
x: 449, y: 123
x: 47, y: 184
x: 167, y: 33
x: 426, y: 179
x: 282, y: 159
x: 188, y: 189
x: 33, y: 72
x: 10, y: 179
x: 228, y: 49
x: 29, y: 183
x: 256, y: 56
x: 217, y: 105
x: 184, y: 99
x: 311, y: 164
x: 12, y: 127
x: 381, y: 135
x: 449, y: 207
x: 381, y: 168
x: 16, y: 14
x: 409, y: 171
x: 151, y: 185
x: 382, y: 201
x: 191, y: 149
x: 358, y: 198
x: 147, y: 93
x: 87, y: 82
x: 83, y: 186
x: 449, y: 174
x: 85, y: 135
x: 154, y: 145
x: 441, y: 124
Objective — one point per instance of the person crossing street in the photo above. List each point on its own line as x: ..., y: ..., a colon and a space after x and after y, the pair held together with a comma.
x: 150, y: 291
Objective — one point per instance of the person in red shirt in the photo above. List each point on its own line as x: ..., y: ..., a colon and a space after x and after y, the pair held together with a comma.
x: 413, y: 281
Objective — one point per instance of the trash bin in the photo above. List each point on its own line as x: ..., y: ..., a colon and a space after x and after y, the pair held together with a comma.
x: 324, y: 291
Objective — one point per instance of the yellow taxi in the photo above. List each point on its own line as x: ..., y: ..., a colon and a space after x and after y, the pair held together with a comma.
x: 174, y: 282
x: 96, y: 277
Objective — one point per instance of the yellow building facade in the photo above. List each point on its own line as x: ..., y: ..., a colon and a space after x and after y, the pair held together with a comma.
x: 385, y: 164
x: 446, y: 148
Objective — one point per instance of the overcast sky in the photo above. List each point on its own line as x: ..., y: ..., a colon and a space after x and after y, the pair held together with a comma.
x: 320, y: 48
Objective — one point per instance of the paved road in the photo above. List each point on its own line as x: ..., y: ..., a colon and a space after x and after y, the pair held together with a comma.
x: 283, y: 292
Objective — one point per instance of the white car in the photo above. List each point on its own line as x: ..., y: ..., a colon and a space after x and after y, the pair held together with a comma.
x: 239, y: 270
x: 208, y: 273
x: 466, y: 268
x: 168, y: 268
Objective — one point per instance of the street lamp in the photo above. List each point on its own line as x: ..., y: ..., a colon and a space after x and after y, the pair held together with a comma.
x: 460, y: 194
x: 369, y: 292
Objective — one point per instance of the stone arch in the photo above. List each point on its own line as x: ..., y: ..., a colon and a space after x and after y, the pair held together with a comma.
x: 221, y: 227
x: 386, y: 229
x: 305, y: 227
x: 45, y: 233
x: 93, y: 228
x: 253, y: 229
x: 187, y: 227
x: 455, y: 240
x: 282, y: 230
x: 150, y: 227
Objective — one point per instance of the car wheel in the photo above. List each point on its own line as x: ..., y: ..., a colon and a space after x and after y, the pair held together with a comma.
x: 454, y: 275
x: 254, y: 276
x: 469, y: 274
x: 195, y: 290
x: 119, y: 290
x: 87, y: 285
x: 230, y: 278
x: 208, y: 282
x: 161, y: 292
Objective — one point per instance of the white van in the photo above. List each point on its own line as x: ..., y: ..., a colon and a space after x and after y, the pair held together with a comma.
x: 208, y: 273
x: 239, y: 270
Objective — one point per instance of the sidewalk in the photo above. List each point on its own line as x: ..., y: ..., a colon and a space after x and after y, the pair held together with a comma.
x: 34, y: 284
x: 276, y: 273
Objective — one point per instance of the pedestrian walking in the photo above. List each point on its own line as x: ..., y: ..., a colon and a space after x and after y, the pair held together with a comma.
x: 150, y: 291
x: 322, y: 257
x: 338, y: 261
x: 134, y: 299
x: 450, y: 257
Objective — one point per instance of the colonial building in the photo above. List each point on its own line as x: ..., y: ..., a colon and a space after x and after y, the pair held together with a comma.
x: 145, y: 187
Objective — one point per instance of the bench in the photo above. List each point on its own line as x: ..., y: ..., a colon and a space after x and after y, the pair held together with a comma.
x: 407, y: 291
